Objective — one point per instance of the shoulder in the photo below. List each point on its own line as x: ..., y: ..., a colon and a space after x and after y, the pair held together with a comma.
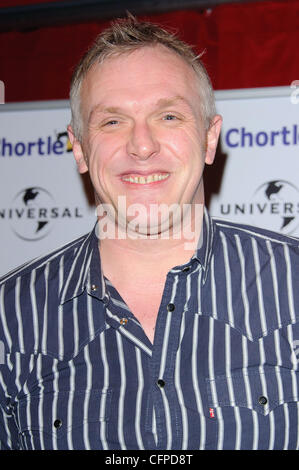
x: 42, y: 263
x: 251, y: 233
x: 239, y: 242
x: 30, y: 296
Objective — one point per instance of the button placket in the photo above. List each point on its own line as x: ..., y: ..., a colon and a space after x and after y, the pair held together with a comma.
x: 166, y: 343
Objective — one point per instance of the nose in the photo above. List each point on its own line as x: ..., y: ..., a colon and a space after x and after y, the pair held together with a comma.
x: 142, y: 143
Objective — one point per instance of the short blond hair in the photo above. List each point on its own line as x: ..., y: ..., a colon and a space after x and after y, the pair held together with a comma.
x: 127, y: 35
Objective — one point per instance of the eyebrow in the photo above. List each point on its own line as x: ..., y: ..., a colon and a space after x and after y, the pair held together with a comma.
x: 161, y: 103
x: 98, y: 108
x: 165, y: 102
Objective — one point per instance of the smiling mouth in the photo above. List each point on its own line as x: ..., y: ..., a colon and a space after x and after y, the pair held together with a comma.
x: 145, y: 179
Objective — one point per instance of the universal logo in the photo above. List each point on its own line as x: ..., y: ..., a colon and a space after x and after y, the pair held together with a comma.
x: 33, y: 213
x: 274, y: 205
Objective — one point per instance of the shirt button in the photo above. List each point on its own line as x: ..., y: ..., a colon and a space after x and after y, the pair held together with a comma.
x: 57, y: 423
x: 94, y: 287
x: 170, y: 307
x: 123, y: 321
x: 263, y: 400
x: 161, y: 383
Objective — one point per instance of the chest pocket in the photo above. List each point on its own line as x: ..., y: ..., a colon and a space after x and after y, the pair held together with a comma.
x: 258, y: 404
x: 261, y: 389
x: 64, y: 420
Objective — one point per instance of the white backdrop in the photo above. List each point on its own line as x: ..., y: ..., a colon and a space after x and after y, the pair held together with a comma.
x: 42, y: 203
x: 260, y: 138
x: 42, y: 198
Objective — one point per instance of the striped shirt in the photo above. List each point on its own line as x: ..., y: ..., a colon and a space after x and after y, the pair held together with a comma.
x: 80, y: 373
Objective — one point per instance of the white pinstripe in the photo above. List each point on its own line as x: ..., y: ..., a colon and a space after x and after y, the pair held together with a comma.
x: 105, y: 388
x: 139, y: 399
x: 71, y: 404
x: 243, y: 287
x: 3, y: 318
x: 179, y: 390
x: 19, y: 314
x: 87, y: 398
x: 289, y: 283
x: 195, y: 359
x: 275, y: 282
x: 122, y: 391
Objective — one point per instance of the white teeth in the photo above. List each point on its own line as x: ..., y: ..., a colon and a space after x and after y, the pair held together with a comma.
x: 145, y: 179
x: 149, y: 179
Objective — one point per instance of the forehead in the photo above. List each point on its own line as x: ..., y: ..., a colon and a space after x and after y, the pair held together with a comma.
x: 151, y: 71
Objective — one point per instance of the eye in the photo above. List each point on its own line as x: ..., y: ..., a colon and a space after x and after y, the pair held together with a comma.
x: 169, y: 117
x: 113, y: 122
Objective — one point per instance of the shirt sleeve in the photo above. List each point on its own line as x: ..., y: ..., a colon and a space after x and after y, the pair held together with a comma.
x: 9, y: 434
x: 8, y: 431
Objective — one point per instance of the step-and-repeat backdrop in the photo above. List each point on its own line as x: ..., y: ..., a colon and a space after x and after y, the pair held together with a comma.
x: 45, y: 203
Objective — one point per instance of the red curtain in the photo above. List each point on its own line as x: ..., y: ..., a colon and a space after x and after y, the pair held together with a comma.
x: 13, y: 3
x: 247, y: 45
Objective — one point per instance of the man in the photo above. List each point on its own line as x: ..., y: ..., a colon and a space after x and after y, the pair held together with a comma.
x: 172, y: 332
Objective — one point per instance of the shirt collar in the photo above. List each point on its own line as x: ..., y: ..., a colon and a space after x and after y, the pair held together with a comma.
x: 84, y: 269
x: 203, y: 251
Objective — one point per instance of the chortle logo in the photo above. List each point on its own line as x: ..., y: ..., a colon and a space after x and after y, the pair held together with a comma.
x: 274, y: 205
x: 30, y: 213
x: 68, y: 145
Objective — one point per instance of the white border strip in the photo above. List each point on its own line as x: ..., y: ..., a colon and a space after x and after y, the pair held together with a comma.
x: 220, y: 95
x: 31, y: 105
x: 244, y: 93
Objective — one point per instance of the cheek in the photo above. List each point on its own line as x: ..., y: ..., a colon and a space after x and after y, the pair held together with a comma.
x: 96, y: 165
x: 102, y: 169
x: 185, y: 143
x: 97, y: 156
x: 191, y: 156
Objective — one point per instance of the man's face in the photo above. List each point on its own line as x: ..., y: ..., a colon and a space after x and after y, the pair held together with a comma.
x: 143, y: 133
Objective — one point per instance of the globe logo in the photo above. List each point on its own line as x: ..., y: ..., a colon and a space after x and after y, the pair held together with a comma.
x: 30, y: 213
x: 276, y: 206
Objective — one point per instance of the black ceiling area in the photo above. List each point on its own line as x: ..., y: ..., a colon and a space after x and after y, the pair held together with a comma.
x: 38, y: 15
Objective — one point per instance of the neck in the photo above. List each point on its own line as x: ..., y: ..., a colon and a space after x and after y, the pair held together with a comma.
x: 146, y: 257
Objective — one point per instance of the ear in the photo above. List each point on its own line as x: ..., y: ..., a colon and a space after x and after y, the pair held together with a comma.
x: 212, y: 138
x: 77, y: 151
